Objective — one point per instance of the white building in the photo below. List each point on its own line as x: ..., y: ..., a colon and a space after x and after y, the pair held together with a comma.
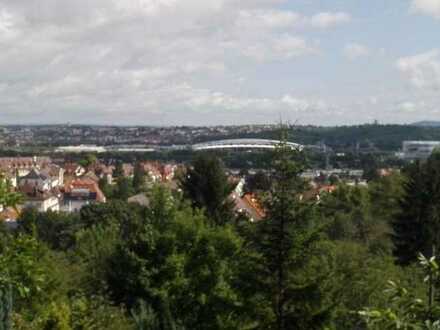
x: 419, y: 149
x: 43, y: 202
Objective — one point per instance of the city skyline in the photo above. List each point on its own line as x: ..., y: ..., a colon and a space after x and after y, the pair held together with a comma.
x: 171, y: 62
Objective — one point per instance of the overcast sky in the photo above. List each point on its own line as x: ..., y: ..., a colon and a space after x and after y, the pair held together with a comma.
x: 168, y: 62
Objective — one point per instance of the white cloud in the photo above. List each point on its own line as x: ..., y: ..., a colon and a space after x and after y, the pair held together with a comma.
x: 354, y: 50
x: 327, y: 19
x: 124, y: 60
x: 422, y: 70
x: 408, y: 106
x: 206, y: 99
x: 283, y: 19
x: 427, y: 7
x: 276, y: 19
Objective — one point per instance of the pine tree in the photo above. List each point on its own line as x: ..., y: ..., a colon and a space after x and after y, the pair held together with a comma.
x: 285, y: 240
x: 124, y: 189
x: 416, y: 228
x: 118, y: 171
x: 139, y: 178
x: 206, y: 185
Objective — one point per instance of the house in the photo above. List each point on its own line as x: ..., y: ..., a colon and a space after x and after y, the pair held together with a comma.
x: 317, y: 191
x: 168, y: 172
x: 74, y: 170
x: 249, y: 205
x: 92, y: 176
x: 81, y: 192
x: 153, y: 171
x: 55, y: 173
x: 42, y: 201
x: 104, y: 171
x: 21, y: 166
x: 36, y: 180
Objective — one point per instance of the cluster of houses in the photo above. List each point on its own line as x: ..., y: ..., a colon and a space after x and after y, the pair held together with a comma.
x: 47, y: 185
x: 65, y: 186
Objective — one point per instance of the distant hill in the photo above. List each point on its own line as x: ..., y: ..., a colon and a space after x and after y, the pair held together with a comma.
x: 384, y: 137
x: 427, y: 123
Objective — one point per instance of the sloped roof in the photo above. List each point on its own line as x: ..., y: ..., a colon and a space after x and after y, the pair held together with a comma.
x: 86, y: 184
x: 249, y: 204
x: 35, y: 175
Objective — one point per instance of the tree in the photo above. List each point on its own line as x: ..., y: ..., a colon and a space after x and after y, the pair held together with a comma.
x: 106, y: 188
x: 116, y: 212
x: 5, y: 307
x: 385, y: 193
x: 180, y: 266
x: 206, y: 185
x: 56, y: 229
x: 8, y: 198
x: 258, y: 182
x: 416, y: 228
x: 286, y: 240
x: 118, y: 171
x: 351, y: 214
x: 124, y: 189
x: 89, y: 159
x: 405, y: 310
x: 139, y: 178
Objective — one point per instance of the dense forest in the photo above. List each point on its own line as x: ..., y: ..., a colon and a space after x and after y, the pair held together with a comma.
x: 361, y: 257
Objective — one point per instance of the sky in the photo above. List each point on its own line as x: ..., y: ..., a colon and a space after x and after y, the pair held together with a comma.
x: 219, y: 62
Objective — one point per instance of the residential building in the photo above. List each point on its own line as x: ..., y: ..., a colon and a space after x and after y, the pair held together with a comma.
x: 81, y: 192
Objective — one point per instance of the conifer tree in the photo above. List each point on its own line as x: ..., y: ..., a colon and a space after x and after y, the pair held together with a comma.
x: 416, y: 228
x: 118, y: 172
x: 206, y: 185
x: 285, y: 241
x: 139, y: 178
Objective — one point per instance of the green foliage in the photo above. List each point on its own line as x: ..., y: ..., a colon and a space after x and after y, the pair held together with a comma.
x: 5, y: 306
x: 354, y: 214
x: 206, y: 185
x: 405, y: 310
x: 113, y: 212
x: 107, y: 189
x: 118, y: 172
x: 94, y: 246
x: 417, y: 225
x: 386, y: 193
x: 145, y: 318
x: 173, y: 256
x: 308, y: 265
x: 139, y: 178
x: 124, y: 189
x: 258, y: 182
x: 19, y: 266
x: 88, y: 160
x: 8, y: 198
x: 286, y: 241
x: 360, y: 279
x: 56, y: 229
